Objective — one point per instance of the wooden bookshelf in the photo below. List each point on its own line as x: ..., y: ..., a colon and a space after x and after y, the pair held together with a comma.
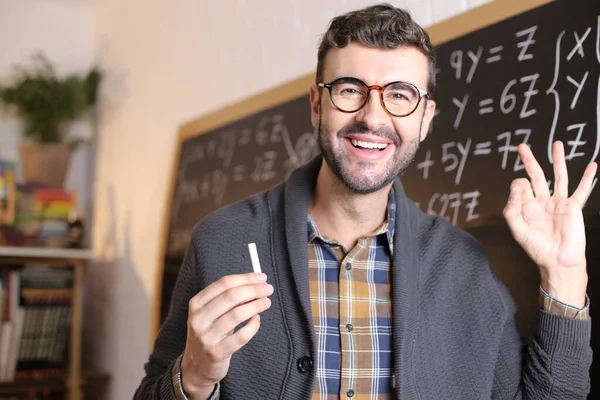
x: 60, y: 258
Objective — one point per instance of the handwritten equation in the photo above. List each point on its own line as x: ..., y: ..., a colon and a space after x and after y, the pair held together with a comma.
x: 536, y: 85
x: 230, y: 163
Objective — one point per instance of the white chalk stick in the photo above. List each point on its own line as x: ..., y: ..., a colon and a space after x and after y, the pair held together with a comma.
x: 254, y: 257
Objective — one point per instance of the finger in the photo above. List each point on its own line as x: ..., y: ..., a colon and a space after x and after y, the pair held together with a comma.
x: 513, y: 210
x: 561, y: 176
x: 223, y: 326
x: 225, y: 283
x: 535, y: 172
x: 584, y: 189
x: 236, y: 341
x: 230, y: 300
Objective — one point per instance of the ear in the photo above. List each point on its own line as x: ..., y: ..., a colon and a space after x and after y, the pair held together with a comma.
x: 315, y: 106
x: 428, y: 114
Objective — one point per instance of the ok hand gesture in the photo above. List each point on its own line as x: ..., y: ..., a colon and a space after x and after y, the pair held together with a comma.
x: 550, y: 228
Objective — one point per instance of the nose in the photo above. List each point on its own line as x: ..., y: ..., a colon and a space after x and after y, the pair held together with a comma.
x: 373, y: 114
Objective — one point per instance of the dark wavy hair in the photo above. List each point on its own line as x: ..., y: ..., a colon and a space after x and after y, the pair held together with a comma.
x: 380, y: 26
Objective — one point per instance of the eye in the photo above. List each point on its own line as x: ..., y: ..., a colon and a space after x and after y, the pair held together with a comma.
x: 399, y: 96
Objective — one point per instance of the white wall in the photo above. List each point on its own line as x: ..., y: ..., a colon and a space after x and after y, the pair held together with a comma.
x: 62, y: 30
x: 170, y: 62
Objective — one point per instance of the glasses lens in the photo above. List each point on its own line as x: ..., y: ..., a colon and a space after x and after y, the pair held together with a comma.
x: 401, y: 98
x: 349, y: 95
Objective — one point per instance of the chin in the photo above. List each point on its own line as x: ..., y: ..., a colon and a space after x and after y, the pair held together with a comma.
x: 364, y: 182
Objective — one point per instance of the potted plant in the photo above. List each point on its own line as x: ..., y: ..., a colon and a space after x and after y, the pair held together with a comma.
x: 47, y: 105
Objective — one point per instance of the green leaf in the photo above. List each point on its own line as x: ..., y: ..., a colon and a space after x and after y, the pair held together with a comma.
x: 46, y: 103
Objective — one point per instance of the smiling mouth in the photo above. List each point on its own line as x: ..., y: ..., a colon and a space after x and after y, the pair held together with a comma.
x: 359, y: 144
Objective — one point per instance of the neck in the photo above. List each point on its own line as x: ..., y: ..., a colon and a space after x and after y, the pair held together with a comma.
x: 345, y: 215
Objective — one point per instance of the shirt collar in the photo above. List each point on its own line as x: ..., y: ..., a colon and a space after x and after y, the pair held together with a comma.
x: 387, y: 227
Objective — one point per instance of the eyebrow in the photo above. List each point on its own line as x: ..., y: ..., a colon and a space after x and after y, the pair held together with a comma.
x: 349, y: 79
x: 399, y: 84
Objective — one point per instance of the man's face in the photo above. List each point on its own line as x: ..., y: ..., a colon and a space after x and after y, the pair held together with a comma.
x: 345, y: 138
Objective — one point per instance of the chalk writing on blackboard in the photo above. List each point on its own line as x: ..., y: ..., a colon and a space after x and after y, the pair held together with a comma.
x: 240, y: 159
x: 536, y: 85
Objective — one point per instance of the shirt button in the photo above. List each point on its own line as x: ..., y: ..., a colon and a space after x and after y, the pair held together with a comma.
x: 348, y: 266
x: 305, y: 364
x: 350, y: 393
x: 349, y: 327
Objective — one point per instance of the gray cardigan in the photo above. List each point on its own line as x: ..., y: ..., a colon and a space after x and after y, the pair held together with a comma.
x: 454, y: 332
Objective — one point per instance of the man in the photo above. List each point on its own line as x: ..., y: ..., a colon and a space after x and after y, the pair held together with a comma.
x: 368, y: 296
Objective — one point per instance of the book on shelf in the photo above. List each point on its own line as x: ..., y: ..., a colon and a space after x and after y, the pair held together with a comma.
x: 8, y: 192
x: 39, y: 216
x: 35, y: 328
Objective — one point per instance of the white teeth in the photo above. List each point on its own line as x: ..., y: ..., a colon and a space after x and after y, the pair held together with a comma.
x: 368, y: 145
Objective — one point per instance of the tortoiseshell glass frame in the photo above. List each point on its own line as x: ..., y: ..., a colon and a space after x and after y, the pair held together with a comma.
x: 380, y: 89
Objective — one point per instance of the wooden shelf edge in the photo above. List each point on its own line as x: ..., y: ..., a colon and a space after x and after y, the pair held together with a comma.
x: 60, y: 382
x: 46, y: 253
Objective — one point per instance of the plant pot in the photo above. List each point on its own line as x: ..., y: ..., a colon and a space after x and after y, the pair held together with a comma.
x: 45, y: 163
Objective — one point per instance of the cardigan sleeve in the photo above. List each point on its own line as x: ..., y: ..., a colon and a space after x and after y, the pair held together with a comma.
x: 555, y: 364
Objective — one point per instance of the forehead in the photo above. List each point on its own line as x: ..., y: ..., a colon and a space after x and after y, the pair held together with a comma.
x: 377, y: 66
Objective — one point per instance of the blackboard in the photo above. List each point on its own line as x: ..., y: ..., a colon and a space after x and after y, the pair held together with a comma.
x: 237, y: 160
x: 509, y: 72
x: 533, y: 79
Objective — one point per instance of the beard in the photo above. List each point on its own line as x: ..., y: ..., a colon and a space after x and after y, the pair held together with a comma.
x: 362, y: 178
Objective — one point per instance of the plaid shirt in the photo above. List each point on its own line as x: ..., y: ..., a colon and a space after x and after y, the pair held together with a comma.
x: 350, y: 294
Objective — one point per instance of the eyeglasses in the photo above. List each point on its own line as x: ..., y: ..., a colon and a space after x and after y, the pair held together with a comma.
x: 399, y: 99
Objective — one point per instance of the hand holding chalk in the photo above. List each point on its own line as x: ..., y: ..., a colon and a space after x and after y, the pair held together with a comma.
x: 213, y: 316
